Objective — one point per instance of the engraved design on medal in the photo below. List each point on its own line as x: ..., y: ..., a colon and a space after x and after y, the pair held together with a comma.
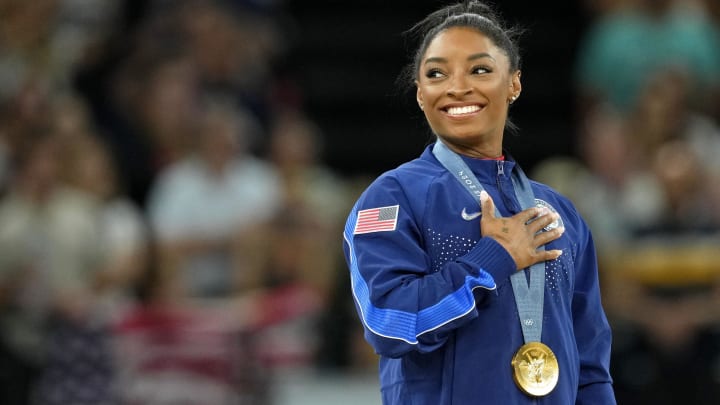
x: 535, y: 369
x: 544, y: 204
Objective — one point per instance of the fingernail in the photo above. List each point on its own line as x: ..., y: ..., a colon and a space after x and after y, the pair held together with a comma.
x: 483, y: 195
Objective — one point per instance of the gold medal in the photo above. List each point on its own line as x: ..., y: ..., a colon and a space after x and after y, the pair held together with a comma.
x: 535, y: 369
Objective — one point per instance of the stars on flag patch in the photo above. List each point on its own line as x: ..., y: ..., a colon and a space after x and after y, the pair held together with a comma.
x: 377, y: 220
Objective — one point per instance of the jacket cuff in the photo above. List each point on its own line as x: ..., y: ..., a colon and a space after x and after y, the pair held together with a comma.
x: 488, y: 255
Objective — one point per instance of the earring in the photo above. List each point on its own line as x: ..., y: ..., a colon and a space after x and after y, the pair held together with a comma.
x: 512, y: 99
x: 421, y: 106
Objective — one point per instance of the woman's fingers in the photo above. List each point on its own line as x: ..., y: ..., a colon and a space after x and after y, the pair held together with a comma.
x: 528, y: 215
x: 522, y: 234
x: 486, y: 205
x: 549, y: 255
x: 541, y: 220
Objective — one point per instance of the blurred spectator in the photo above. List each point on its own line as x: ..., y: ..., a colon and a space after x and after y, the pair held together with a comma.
x: 294, y: 255
x: 152, y: 114
x: 685, y: 182
x: 296, y: 151
x: 50, y: 256
x: 21, y: 116
x: 24, y: 116
x: 613, y: 189
x: 166, y: 108
x: 25, y: 42
x: 70, y: 119
x: 80, y: 365
x: 201, y: 203
x: 124, y: 238
x: 122, y: 79
x: 213, y: 28
x: 664, y: 112
x: 49, y: 38
x: 292, y: 264
x: 628, y: 44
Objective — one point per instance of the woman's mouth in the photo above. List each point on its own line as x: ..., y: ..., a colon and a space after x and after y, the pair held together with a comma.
x: 463, y: 110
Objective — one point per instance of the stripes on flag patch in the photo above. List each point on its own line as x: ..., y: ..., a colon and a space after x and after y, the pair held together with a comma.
x: 377, y: 220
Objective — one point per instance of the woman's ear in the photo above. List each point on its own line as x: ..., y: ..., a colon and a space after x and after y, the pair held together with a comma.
x: 515, y: 87
x: 419, y: 96
x: 516, y: 84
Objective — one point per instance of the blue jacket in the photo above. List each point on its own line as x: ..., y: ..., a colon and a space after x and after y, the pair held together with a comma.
x: 436, y: 301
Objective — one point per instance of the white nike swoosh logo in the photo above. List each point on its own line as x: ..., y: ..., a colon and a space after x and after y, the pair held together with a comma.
x: 470, y: 217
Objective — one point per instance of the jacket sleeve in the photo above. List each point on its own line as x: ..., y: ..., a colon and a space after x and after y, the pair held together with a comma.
x: 405, y: 306
x: 592, y: 331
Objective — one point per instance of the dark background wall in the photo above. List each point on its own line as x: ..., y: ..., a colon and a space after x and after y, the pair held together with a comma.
x: 346, y: 57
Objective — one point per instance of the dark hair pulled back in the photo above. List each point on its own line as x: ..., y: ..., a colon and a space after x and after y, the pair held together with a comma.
x: 471, y: 14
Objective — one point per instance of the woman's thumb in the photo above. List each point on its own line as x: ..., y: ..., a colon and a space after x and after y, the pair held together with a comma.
x: 486, y: 204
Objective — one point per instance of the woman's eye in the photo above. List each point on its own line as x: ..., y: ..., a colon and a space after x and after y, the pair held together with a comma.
x: 480, y: 70
x: 433, y: 74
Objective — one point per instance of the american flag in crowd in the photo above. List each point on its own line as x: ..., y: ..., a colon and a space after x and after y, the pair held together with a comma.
x: 377, y: 219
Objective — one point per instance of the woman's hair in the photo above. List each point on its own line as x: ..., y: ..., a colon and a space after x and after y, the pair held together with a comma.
x: 471, y: 14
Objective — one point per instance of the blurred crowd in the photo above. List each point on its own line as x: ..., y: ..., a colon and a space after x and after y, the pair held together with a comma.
x: 169, y: 230
x: 646, y: 177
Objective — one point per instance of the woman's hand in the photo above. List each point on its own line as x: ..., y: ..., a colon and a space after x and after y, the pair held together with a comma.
x: 521, y: 234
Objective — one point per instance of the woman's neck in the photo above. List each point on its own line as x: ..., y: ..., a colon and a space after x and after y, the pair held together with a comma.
x: 484, y: 151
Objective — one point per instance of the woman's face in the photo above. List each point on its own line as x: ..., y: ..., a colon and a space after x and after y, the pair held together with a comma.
x: 464, y: 87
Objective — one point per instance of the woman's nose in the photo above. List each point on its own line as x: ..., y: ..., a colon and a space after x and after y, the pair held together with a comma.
x: 459, y: 86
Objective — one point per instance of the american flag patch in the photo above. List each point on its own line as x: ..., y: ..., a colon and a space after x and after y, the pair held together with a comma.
x: 377, y: 220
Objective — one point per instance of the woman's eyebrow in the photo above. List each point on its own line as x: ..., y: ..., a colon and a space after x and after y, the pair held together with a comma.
x: 435, y: 59
x: 480, y: 55
x: 475, y: 56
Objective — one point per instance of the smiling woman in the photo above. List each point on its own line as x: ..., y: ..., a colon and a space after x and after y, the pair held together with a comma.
x: 464, y: 86
x: 505, y: 307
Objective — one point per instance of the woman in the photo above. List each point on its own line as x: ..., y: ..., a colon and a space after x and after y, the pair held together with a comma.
x: 474, y: 284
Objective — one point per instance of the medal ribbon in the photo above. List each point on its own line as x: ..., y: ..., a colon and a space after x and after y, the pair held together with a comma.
x: 528, y: 298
